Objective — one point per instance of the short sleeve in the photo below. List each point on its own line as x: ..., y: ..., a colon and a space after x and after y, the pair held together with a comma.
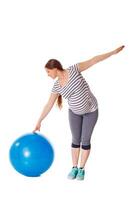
x: 55, y: 88
x: 75, y: 68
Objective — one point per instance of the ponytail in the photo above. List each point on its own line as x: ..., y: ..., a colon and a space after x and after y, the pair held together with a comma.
x: 59, y: 101
x: 52, y: 64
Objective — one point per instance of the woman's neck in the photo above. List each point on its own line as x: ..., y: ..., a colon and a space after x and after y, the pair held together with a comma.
x: 61, y: 75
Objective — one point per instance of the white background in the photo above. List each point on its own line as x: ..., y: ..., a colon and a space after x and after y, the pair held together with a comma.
x: 33, y: 31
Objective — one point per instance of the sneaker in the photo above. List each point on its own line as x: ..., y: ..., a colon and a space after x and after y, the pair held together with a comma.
x: 73, y: 173
x: 80, y: 174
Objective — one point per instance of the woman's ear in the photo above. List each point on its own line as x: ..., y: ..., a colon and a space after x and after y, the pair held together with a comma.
x: 56, y: 70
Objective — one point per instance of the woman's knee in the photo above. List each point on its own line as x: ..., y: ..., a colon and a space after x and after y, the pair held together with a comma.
x: 86, y: 147
x: 83, y: 146
x: 75, y: 145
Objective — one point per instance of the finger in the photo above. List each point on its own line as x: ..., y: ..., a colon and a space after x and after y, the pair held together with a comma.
x: 33, y: 131
x: 121, y: 47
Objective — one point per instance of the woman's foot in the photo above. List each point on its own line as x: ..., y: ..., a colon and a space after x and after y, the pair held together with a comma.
x: 80, y: 174
x: 73, y: 173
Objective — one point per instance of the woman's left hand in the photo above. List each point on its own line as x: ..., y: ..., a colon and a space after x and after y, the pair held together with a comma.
x: 118, y: 49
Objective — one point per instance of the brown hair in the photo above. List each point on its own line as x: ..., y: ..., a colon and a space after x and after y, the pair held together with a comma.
x: 51, y: 64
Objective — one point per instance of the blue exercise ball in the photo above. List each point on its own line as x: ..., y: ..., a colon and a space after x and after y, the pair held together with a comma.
x: 31, y: 154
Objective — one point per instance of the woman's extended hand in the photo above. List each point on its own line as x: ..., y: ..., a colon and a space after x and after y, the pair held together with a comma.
x: 37, y: 127
x: 118, y: 49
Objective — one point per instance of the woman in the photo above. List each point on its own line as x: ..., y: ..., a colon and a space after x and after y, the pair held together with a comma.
x: 83, y: 107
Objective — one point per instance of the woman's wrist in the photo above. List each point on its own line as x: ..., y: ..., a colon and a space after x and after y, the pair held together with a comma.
x: 39, y: 121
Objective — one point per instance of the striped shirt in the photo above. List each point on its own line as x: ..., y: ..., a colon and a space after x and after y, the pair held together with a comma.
x: 80, y: 98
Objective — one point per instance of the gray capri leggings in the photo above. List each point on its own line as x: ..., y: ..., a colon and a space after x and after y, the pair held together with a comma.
x: 82, y: 127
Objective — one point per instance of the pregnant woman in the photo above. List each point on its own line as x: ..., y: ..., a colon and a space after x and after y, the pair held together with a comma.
x: 83, y: 107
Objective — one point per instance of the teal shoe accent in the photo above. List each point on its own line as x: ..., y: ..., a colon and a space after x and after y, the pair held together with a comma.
x: 73, y: 173
x: 80, y: 174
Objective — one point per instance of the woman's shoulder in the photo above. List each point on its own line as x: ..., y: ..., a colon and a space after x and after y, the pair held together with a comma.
x: 55, y: 87
x: 56, y: 83
x: 73, y: 67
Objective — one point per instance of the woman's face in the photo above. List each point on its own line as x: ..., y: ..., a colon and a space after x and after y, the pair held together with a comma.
x: 51, y: 72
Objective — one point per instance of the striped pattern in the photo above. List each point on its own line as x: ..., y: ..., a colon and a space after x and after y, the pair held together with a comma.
x: 77, y: 92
